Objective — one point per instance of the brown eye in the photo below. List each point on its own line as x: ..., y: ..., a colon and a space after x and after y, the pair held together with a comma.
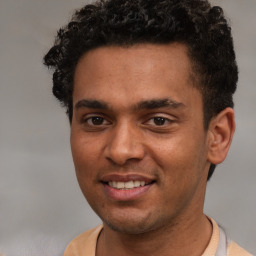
x: 159, y: 121
x: 96, y: 120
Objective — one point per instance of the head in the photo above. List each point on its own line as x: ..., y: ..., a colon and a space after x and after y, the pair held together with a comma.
x: 202, y: 28
x: 148, y: 89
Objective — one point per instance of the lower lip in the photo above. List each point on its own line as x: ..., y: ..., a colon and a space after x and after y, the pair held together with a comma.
x: 126, y: 195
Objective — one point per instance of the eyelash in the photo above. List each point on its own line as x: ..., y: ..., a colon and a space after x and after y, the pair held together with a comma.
x: 160, y: 119
x: 153, y: 122
x: 89, y: 120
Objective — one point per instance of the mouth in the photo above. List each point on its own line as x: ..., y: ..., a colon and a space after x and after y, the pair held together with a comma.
x: 126, y: 187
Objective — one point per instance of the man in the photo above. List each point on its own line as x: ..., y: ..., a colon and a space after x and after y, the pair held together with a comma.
x: 148, y: 89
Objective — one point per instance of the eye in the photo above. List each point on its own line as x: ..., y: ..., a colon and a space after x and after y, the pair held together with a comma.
x: 96, y: 121
x: 159, y: 121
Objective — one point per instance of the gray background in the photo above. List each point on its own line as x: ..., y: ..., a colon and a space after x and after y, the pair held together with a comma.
x: 42, y: 207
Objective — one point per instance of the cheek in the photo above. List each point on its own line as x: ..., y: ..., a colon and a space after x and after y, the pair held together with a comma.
x: 84, y: 157
x: 180, y: 157
x: 182, y: 166
x: 85, y: 162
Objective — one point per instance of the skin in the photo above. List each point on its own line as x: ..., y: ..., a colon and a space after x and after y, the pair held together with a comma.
x: 116, y: 130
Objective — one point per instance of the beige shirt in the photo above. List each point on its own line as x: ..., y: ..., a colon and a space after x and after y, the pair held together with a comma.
x: 85, y: 244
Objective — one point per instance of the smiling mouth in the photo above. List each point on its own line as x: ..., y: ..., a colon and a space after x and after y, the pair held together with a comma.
x: 127, y: 185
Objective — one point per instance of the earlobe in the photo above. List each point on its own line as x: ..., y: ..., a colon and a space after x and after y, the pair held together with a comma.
x: 220, y: 135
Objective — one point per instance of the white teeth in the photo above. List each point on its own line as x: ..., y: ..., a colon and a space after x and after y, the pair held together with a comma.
x: 120, y: 185
x: 136, y: 183
x: 142, y: 183
x: 129, y: 184
x: 126, y: 185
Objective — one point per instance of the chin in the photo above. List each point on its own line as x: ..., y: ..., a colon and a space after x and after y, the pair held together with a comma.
x: 132, y: 225
x: 130, y: 229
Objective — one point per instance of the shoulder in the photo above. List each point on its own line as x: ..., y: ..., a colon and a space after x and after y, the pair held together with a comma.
x: 84, y: 244
x: 220, y: 244
x: 235, y: 250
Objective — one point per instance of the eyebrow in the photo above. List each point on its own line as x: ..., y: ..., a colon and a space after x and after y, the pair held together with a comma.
x: 95, y: 104
x: 159, y: 103
x: 147, y: 104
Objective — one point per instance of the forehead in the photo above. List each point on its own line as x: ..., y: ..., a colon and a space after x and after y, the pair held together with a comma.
x: 143, y: 57
x: 139, y: 72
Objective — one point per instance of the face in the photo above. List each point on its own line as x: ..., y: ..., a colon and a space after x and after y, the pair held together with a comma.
x: 137, y: 136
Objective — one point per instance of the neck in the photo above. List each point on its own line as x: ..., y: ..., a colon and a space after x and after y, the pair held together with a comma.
x: 185, y: 237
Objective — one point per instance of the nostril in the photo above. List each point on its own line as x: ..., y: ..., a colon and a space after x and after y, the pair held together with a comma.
x: 121, y: 157
x: 124, y: 144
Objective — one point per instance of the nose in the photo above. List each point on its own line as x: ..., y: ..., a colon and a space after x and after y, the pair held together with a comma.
x: 124, y: 144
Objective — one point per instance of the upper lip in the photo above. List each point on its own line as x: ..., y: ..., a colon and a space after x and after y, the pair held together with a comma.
x: 126, y: 178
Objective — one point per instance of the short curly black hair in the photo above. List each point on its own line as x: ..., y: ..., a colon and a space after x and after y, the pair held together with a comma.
x: 194, y: 23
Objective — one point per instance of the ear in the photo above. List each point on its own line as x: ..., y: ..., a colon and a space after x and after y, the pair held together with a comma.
x: 220, y: 135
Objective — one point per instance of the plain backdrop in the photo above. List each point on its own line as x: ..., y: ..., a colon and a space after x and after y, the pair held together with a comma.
x: 41, y: 206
